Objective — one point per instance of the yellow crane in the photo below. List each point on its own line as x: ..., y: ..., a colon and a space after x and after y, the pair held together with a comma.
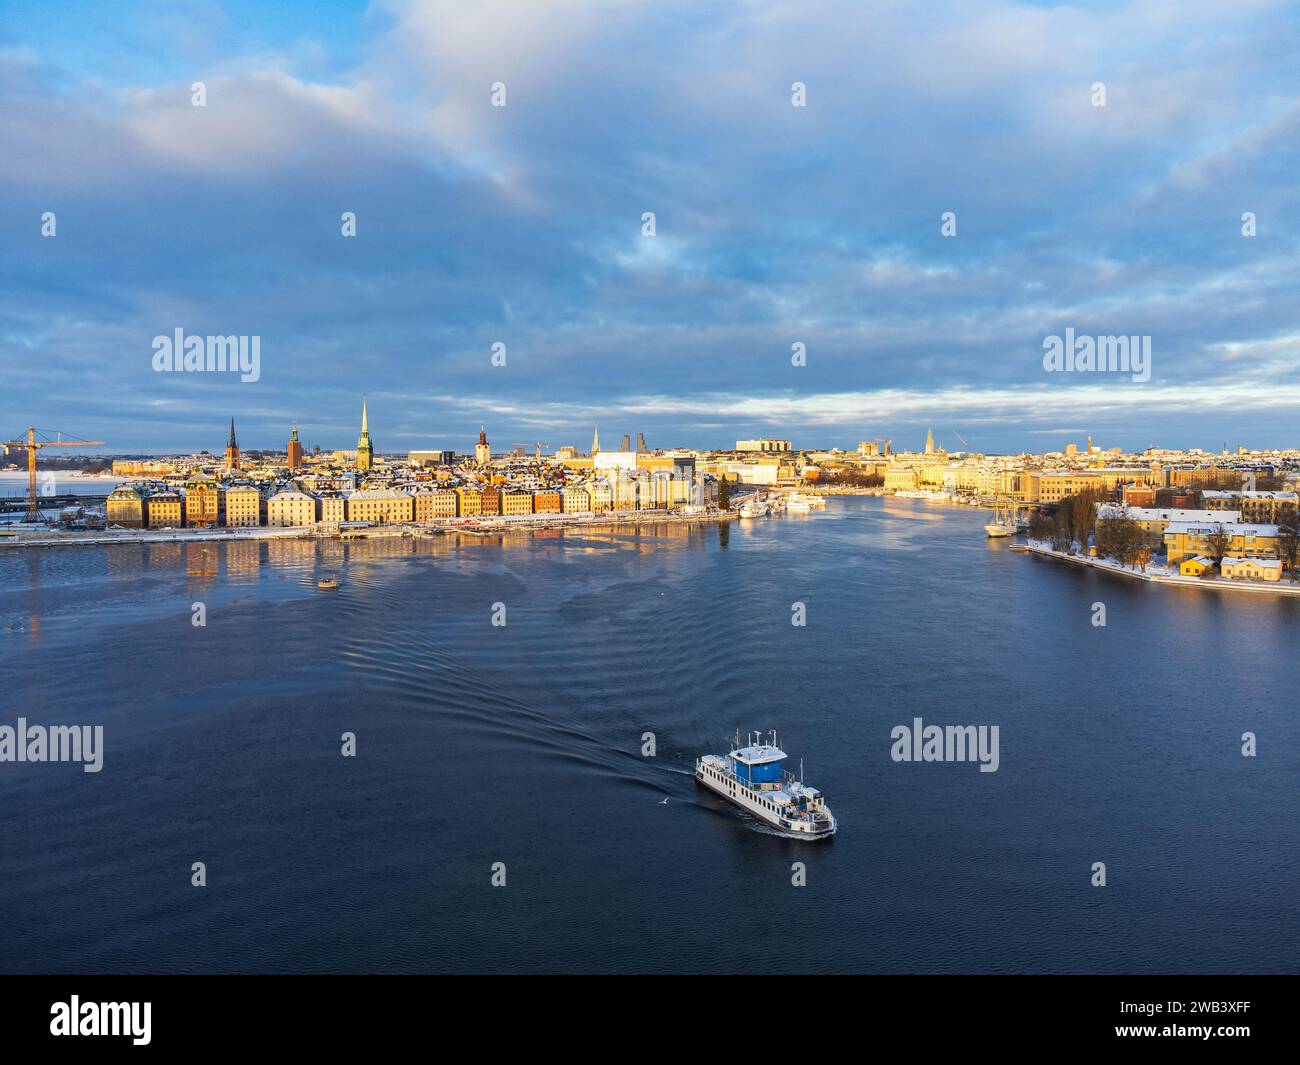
x: 33, y: 446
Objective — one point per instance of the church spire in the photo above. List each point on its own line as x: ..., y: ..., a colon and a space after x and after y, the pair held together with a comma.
x: 595, y: 440
x: 233, y: 442
x: 365, y: 427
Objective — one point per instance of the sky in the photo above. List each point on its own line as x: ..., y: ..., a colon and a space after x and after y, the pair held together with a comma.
x: 774, y: 225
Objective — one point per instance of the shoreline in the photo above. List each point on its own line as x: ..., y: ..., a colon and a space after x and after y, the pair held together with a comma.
x: 1240, y: 585
x: 443, y: 526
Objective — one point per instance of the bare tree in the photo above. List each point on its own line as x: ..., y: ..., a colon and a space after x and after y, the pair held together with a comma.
x: 1218, y: 544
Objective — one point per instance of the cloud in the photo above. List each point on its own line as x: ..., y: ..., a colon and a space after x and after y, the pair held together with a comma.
x: 775, y: 224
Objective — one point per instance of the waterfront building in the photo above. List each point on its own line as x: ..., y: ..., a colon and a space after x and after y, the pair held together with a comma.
x: 602, y: 496
x: 514, y: 501
x: 294, y: 450
x: 1252, y: 569
x: 1196, y: 567
x: 365, y: 449
x: 245, y: 506
x: 141, y: 468
x: 165, y: 510
x: 437, y: 503
x: 469, y: 501
x: 547, y: 501
x: 331, y: 508
x: 204, y: 502
x: 290, y: 509
x: 576, y: 500
x: 490, y: 500
x: 381, y: 506
x: 1189, y: 539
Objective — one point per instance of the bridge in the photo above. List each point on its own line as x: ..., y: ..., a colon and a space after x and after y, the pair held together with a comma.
x: 19, y: 504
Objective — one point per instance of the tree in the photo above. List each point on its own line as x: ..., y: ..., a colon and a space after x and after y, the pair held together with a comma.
x: 1217, y: 544
x: 1288, y: 537
x: 724, y: 494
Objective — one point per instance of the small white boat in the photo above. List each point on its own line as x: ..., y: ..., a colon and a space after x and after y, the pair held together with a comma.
x: 753, y: 508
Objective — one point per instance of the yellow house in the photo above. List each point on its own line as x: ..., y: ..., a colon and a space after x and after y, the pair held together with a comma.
x: 1195, y: 567
x: 1252, y: 569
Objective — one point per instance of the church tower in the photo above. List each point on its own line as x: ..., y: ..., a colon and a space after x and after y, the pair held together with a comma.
x: 595, y: 441
x: 929, y: 441
x: 365, y: 450
x: 232, y: 449
x: 294, y: 449
x: 482, y: 450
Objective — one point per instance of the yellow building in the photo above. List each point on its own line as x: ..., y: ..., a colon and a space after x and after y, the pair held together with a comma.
x: 1195, y: 567
x: 900, y: 478
x: 440, y: 503
x: 576, y: 500
x: 245, y: 506
x: 331, y: 508
x: 125, y: 507
x: 1252, y: 569
x: 289, y: 509
x: 602, y: 496
x: 469, y: 502
x: 165, y: 510
x: 204, y: 503
x: 516, y: 502
x: 382, y: 506
x: 1185, y: 540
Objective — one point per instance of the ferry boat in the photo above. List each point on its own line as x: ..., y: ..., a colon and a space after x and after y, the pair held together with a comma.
x: 752, y: 778
x: 753, y: 508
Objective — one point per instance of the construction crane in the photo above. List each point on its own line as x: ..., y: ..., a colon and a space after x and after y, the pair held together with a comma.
x: 540, y: 444
x: 962, y: 439
x: 33, y: 445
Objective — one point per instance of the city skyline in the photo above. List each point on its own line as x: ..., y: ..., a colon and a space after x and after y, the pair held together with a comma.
x: 778, y: 221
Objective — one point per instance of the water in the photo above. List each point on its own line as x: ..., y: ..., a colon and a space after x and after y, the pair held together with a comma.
x: 521, y: 744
